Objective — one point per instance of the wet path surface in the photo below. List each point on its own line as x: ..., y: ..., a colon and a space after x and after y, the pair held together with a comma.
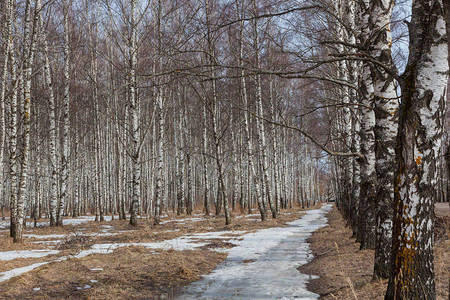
x: 264, y: 264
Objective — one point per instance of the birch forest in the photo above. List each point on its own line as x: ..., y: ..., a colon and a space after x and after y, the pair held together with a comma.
x: 130, y: 112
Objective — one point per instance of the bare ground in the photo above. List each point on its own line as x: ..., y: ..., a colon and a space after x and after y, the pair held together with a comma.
x: 346, y: 272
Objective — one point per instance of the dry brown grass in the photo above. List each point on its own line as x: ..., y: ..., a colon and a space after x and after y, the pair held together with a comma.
x: 128, y: 273
x: 346, y: 272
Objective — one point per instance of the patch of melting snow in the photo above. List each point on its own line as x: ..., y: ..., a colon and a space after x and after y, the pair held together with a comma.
x: 87, y: 286
x: 53, y: 242
x: 276, y: 253
x: 10, y: 255
x: 76, y: 221
x: 182, y: 221
x: 83, y: 219
x: 96, y: 269
x: 72, y: 235
x: 19, y: 271
x: 170, y: 230
x: 218, y: 234
x: 46, y: 236
x: 93, y: 281
x: 252, y: 215
x: 104, y: 234
x: 107, y: 226
x: 4, y: 224
x: 188, y: 242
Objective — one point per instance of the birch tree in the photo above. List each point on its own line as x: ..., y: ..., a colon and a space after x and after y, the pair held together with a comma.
x: 419, y: 140
x: 159, y: 192
x: 366, y: 228
x: 5, y: 49
x: 12, y: 125
x: 134, y: 116
x: 259, y: 108
x: 251, y: 176
x: 52, y: 120
x: 385, y: 130
x: 29, y: 38
x: 214, y: 110
x: 66, y: 119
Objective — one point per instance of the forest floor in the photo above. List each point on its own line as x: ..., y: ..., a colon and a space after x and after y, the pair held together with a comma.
x: 346, y: 272
x: 143, y: 262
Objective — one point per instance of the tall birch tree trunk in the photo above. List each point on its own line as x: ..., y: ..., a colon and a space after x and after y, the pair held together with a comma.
x: 260, y: 122
x: 205, y: 163
x: 13, y: 131
x: 66, y: 120
x: 419, y: 139
x: 28, y: 55
x: 244, y: 96
x: 366, y: 215
x: 7, y: 44
x: 386, y: 106
x: 275, y: 147
x: 134, y: 116
x: 214, y: 118
x: 346, y: 125
x: 159, y: 192
x: 52, y: 123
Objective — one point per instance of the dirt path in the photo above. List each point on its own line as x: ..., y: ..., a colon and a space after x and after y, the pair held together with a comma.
x: 264, y: 264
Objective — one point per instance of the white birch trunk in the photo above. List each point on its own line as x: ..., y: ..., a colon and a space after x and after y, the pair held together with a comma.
x: 159, y: 191
x: 134, y: 116
x: 28, y: 54
x: 66, y: 120
x: 419, y: 145
x: 366, y: 226
x: 214, y: 118
x: 205, y: 163
x: 7, y: 44
x: 273, y: 104
x: 52, y: 127
x: 386, y: 109
x: 260, y: 122
x: 13, y: 141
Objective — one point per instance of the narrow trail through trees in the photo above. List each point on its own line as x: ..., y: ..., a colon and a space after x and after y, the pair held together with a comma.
x: 264, y: 265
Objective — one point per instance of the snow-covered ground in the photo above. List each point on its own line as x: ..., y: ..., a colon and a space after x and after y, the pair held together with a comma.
x: 45, y: 236
x: 10, y: 255
x: 187, y: 242
x: 83, y: 219
x: 19, y: 271
x: 183, y: 221
x: 264, y: 264
x: 4, y: 224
